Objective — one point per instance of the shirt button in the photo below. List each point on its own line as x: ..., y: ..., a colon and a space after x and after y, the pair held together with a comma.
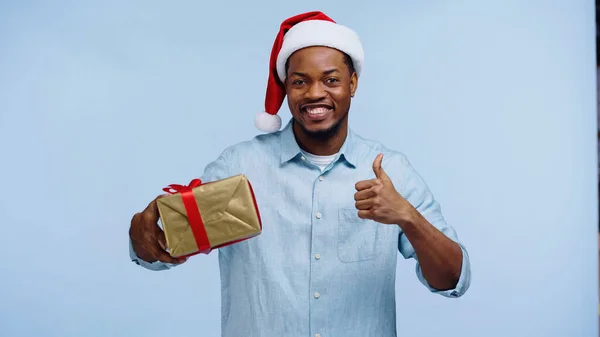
x: 320, y: 178
x: 317, y: 256
x: 317, y: 335
x: 317, y: 295
x: 318, y: 215
x: 303, y: 158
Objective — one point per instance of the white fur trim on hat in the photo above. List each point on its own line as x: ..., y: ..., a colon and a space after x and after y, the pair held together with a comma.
x: 320, y: 33
x: 267, y: 122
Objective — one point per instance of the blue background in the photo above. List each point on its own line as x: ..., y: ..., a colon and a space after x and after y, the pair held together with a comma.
x: 102, y: 103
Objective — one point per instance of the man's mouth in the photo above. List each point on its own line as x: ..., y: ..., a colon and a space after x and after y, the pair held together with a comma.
x: 317, y: 111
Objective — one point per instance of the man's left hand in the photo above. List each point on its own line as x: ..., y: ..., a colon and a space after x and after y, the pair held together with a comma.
x: 378, y: 200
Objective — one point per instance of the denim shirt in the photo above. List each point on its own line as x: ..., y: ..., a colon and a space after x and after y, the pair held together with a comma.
x: 317, y: 269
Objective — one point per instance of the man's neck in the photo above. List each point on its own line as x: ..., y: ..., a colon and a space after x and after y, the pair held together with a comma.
x: 321, y: 146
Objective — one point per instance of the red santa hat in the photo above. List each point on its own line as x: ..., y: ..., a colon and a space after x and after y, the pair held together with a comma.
x: 301, y: 31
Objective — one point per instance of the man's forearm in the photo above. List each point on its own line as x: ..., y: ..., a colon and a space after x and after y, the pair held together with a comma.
x: 440, y: 258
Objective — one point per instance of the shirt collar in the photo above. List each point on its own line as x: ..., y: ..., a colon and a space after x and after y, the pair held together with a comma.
x: 291, y: 150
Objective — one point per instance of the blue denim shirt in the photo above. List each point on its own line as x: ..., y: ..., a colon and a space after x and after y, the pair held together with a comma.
x: 317, y: 269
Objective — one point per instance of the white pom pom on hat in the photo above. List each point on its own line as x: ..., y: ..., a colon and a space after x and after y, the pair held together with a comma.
x: 295, y: 33
x: 267, y: 122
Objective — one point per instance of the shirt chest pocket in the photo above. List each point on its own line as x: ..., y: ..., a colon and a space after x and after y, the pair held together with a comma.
x: 358, y: 239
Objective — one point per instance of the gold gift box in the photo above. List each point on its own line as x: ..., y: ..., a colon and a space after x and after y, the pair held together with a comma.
x: 227, y: 208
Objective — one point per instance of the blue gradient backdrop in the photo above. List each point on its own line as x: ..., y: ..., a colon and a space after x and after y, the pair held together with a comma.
x: 102, y: 103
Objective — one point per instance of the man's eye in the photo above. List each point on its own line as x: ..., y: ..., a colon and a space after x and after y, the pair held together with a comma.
x: 332, y: 80
x: 297, y: 82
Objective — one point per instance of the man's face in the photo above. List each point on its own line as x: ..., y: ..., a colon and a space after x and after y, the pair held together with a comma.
x: 319, y: 88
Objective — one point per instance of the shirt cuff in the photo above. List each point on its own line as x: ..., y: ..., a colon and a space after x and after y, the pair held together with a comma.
x: 155, y: 266
x: 464, y: 280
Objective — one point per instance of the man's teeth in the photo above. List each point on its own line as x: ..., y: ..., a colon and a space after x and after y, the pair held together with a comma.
x: 317, y: 111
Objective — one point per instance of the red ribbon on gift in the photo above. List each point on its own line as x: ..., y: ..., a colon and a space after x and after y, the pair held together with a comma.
x: 193, y: 213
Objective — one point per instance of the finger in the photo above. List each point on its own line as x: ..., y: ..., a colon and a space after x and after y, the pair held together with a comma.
x: 365, y: 194
x: 378, y: 169
x: 365, y: 214
x: 152, y: 207
x: 377, y: 165
x: 151, y: 214
x: 160, y: 237
x: 163, y: 256
x: 364, y: 204
x: 365, y: 184
x: 162, y: 240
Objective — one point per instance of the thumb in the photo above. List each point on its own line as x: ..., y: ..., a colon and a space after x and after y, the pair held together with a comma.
x: 377, y: 169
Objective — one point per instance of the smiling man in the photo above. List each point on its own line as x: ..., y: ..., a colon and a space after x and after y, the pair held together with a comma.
x: 336, y: 208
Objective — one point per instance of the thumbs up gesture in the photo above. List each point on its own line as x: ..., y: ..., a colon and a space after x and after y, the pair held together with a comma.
x: 378, y: 200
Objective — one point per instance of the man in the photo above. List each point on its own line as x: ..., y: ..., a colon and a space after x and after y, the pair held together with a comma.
x: 336, y: 208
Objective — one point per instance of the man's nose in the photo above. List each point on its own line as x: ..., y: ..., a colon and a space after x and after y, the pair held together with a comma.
x: 316, y: 91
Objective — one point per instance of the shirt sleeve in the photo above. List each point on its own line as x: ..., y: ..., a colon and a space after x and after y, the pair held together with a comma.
x: 414, y: 189
x: 216, y: 170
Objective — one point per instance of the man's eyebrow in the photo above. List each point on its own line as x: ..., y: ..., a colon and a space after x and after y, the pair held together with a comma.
x: 298, y: 74
x: 326, y: 72
x: 330, y: 71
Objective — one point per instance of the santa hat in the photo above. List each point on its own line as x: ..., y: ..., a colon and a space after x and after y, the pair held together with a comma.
x: 301, y: 31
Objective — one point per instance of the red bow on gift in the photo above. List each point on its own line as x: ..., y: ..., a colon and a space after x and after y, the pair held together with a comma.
x: 175, y: 188
x: 193, y: 213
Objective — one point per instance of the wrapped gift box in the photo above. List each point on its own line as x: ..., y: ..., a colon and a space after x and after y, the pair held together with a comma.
x: 198, y: 218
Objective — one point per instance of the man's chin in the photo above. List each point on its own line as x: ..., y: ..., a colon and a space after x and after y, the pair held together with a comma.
x: 320, y: 130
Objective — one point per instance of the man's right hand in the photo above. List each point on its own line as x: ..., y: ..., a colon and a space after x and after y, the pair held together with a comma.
x: 148, y: 239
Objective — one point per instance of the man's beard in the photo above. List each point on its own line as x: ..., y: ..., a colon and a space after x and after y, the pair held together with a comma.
x: 323, y: 135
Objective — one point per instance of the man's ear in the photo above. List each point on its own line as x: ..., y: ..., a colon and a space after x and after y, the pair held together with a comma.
x: 353, y: 84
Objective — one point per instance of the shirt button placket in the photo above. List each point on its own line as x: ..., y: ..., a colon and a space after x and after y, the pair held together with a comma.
x: 319, y: 225
x: 317, y: 256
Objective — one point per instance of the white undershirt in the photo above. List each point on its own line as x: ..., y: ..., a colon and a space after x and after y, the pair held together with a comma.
x: 321, y: 161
